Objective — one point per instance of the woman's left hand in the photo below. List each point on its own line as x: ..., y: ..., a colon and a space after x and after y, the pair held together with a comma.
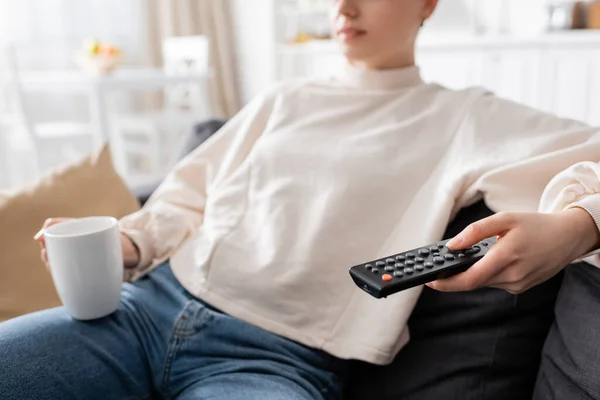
x: 531, y: 248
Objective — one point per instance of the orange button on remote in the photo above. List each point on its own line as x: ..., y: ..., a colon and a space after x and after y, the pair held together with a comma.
x: 386, y: 277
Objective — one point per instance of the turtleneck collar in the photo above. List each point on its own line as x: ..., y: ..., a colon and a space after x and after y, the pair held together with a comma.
x: 380, y: 79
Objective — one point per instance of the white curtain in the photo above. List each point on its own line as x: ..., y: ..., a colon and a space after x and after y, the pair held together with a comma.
x: 199, y: 17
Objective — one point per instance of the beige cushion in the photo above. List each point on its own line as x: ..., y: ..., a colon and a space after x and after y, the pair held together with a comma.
x: 86, y: 188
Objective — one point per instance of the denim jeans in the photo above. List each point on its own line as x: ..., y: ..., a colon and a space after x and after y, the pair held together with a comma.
x: 161, y: 343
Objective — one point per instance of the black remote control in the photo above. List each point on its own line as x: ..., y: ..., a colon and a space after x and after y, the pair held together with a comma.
x: 386, y: 276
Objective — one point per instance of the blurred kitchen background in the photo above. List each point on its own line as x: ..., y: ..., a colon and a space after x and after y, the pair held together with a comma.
x: 140, y: 74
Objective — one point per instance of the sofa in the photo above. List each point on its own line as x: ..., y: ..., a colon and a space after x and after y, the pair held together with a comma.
x: 484, y: 344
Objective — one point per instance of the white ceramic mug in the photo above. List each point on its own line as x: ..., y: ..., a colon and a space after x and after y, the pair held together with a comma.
x: 86, y: 263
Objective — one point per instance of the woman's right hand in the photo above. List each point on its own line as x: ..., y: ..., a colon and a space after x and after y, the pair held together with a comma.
x: 131, y: 256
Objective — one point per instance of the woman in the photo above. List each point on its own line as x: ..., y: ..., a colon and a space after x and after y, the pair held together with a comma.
x: 261, y: 223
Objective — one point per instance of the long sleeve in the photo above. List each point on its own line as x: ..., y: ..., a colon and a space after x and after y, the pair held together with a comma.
x: 176, y: 209
x: 521, y: 159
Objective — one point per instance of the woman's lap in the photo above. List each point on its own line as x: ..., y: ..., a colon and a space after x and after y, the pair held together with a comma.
x: 161, y: 342
x: 52, y: 354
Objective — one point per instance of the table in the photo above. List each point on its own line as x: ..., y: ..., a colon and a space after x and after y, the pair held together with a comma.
x: 98, y: 87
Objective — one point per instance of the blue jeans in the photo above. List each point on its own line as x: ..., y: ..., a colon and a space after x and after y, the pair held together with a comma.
x: 161, y: 343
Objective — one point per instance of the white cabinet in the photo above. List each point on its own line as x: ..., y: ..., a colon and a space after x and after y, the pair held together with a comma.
x: 594, y: 102
x: 513, y: 74
x: 510, y: 73
x: 452, y: 69
x: 558, y: 73
x: 569, y: 75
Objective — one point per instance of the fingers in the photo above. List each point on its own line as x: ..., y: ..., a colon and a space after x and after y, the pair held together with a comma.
x: 53, y: 221
x: 39, y: 237
x: 500, y: 265
x: 44, y: 257
x: 496, y: 225
x: 517, y: 279
x: 477, y: 276
x: 39, y: 234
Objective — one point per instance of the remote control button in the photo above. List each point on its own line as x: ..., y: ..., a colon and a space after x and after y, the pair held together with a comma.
x: 419, y: 267
x: 419, y: 260
x: 424, y: 252
x: 440, y: 246
x: 433, y: 249
x: 410, y: 263
x: 369, y: 266
x: 400, y: 257
x: 449, y: 257
x: 399, y: 266
x: 461, y: 255
x: 410, y: 255
x: 484, y: 243
x: 386, y: 277
x: 375, y: 271
x: 428, y: 265
x: 380, y: 264
x: 390, y: 261
x: 438, y: 260
x: 409, y: 271
x: 389, y: 269
x: 473, y: 250
x: 399, y: 274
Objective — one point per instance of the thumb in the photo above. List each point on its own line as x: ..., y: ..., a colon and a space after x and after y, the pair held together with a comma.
x: 39, y: 237
x: 496, y: 225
